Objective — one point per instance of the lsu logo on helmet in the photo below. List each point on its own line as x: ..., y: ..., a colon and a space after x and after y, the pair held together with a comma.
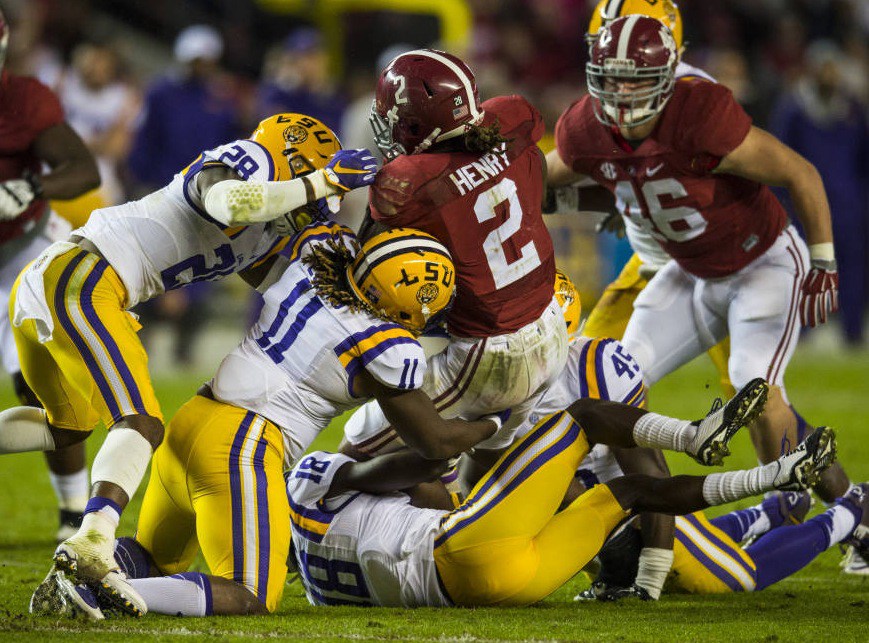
x: 606, y: 11
x: 405, y: 275
x: 568, y: 298
x: 298, y: 145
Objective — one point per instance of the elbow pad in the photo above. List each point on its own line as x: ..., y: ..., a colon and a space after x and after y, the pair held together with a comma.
x: 234, y: 202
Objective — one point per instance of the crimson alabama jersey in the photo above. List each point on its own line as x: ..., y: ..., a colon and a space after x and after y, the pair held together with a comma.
x: 27, y: 108
x: 711, y: 224
x: 486, y: 210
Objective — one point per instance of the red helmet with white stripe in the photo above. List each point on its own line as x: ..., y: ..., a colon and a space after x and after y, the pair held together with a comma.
x: 632, y: 71
x: 423, y: 97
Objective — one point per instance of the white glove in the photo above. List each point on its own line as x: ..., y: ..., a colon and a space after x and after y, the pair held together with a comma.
x: 16, y: 195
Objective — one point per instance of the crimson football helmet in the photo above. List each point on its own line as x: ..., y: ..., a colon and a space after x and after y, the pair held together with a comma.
x: 632, y: 71
x: 423, y: 97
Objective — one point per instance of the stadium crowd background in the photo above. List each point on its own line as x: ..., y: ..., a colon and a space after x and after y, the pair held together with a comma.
x: 149, y: 85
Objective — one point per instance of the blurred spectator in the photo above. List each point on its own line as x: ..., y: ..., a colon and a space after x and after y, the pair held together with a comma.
x: 296, y: 78
x: 828, y: 126
x: 100, y: 107
x: 185, y: 112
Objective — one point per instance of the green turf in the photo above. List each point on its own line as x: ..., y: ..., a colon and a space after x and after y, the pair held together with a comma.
x: 816, y: 604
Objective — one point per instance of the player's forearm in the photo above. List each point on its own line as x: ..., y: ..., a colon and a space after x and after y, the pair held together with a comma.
x: 70, y: 179
x: 810, y: 204
x: 386, y: 473
x: 447, y: 438
x: 234, y: 202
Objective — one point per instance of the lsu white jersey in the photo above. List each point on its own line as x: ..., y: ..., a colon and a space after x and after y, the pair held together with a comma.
x: 167, y: 239
x: 647, y: 248
x: 297, y: 365
x: 598, y: 368
x: 357, y: 548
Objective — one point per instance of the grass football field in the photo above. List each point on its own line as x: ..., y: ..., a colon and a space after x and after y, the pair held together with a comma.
x: 817, y: 604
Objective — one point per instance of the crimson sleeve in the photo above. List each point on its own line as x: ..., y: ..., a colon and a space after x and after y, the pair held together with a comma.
x: 569, y: 136
x: 714, y: 124
x: 43, y: 106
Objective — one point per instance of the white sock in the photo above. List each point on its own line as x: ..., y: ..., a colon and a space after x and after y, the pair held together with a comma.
x: 844, y: 522
x: 24, y: 428
x: 187, y: 594
x: 104, y: 522
x: 662, y: 432
x: 122, y: 460
x: 72, y: 490
x: 721, y: 488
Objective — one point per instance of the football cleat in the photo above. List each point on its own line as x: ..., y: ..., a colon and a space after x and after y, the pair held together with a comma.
x: 57, y: 595
x: 856, y: 560
x: 118, y: 597
x: 802, y: 467
x: 591, y: 592
x: 709, y: 445
x: 89, y: 558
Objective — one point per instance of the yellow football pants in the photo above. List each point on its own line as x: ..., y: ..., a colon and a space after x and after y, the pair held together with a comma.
x: 78, y: 210
x: 610, y: 316
x: 708, y: 561
x: 506, y: 545
x: 217, y: 483
x: 94, y: 367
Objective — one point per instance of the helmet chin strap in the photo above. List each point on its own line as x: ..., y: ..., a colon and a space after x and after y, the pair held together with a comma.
x: 436, y: 137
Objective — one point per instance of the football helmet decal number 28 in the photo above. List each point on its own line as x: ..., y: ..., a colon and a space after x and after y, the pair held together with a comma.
x: 504, y: 273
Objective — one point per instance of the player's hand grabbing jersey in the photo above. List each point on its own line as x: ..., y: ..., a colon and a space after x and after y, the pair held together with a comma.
x: 360, y: 549
x: 296, y: 366
x: 486, y: 210
x: 27, y: 108
x: 167, y: 240
x: 712, y: 224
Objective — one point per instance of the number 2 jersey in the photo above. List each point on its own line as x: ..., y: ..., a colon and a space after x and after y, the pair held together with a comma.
x: 296, y: 366
x: 487, y: 210
x: 711, y: 224
x: 167, y: 239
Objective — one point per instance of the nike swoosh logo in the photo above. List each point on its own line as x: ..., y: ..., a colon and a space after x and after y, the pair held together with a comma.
x: 652, y: 171
x: 347, y: 170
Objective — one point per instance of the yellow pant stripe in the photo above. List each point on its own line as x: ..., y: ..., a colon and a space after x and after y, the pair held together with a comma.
x: 725, y: 564
x: 549, y: 438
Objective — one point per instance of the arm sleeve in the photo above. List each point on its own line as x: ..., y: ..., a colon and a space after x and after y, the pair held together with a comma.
x: 309, y: 481
x: 568, y: 138
x: 397, y: 362
x: 715, y: 125
x: 46, y: 109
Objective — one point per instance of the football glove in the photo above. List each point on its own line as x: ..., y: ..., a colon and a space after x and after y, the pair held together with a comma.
x: 351, y: 169
x: 820, y: 293
x: 16, y: 195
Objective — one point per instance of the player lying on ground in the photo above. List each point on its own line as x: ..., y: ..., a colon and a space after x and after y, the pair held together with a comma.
x: 506, y: 545
x: 337, y: 328
x: 227, y: 212
x: 707, y: 555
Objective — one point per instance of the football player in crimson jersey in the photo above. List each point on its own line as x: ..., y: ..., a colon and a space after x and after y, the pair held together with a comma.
x: 686, y: 165
x: 32, y: 132
x: 470, y: 174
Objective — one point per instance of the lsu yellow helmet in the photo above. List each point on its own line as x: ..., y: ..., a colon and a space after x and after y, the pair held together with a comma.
x: 665, y: 11
x: 568, y: 298
x: 405, y: 275
x: 298, y: 145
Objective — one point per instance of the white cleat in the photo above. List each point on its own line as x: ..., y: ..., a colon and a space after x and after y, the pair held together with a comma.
x: 88, y: 558
x: 57, y: 595
x: 802, y: 467
x: 714, y: 432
